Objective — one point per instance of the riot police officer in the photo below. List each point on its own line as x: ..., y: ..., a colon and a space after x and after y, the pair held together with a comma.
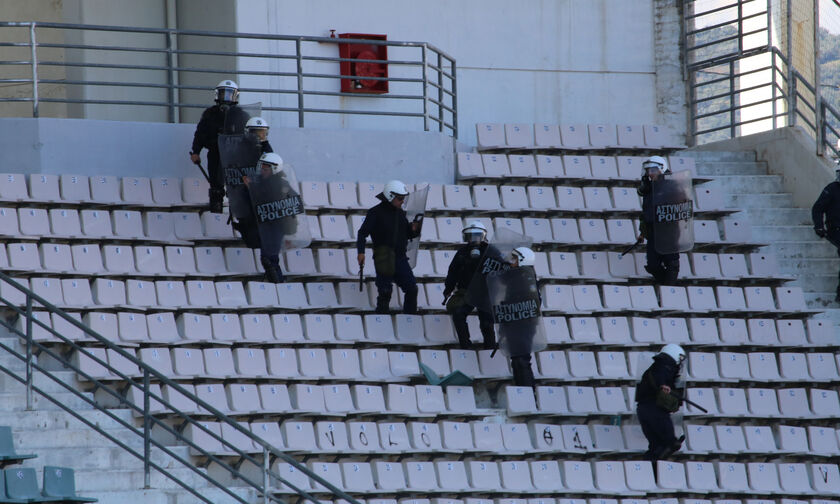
x: 271, y: 239
x: 246, y: 224
x: 387, y: 225
x: 656, y: 398
x: 258, y: 127
x: 826, y: 216
x: 519, y: 337
x: 223, y: 117
x: 665, y: 268
x: 462, y: 269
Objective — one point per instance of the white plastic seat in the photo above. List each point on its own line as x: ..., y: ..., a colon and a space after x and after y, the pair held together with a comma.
x: 44, y: 187
x: 646, y: 330
x: 705, y: 397
x: 763, y: 366
x: 495, y: 165
x: 569, y: 198
x: 291, y: 295
x: 821, y: 332
x: 490, y: 135
x: 14, y: 187
x: 762, y: 331
x: 621, y: 231
x: 611, y: 400
x: 188, y: 226
x: 822, y: 366
x: 597, y: 199
x: 25, y: 256
x: 469, y: 166
x: 9, y: 223
x: 128, y: 224
x: 401, y: 399
x: 701, y: 438
x: 587, y: 298
x: 565, y: 230
x: 577, y: 167
x: 615, y: 330
x: 201, y: 294
x: 700, y: 476
x: 732, y: 402
x: 730, y: 438
x: 300, y: 262
x: 734, y: 365
x: 231, y: 294
x: 602, y: 136
x: 584, y: 330
x: 621, y: 266
x: 334, y: 228
x: 706, y: 231
x: 65, y: 222
x: 603, y: 167
x: 577, y: 476
x: 388, y: 476
x: 595, y: 264
x: 593, y: 231
x: 824, y: 403
x: 318, y: 328
x: 581, y: 399
x: 34, y: 222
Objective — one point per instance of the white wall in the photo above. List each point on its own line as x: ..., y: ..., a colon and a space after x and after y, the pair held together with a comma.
x: 94, y: 147
x: 550, y: 61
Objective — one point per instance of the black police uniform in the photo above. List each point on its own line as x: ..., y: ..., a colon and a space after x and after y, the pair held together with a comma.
x: 518, y: 337
x: 390, y: 231
x: 271, y: 241
x: 655, y: 421
x: 665, y: 268
x: 826, y: 216
x: 462, y: 269
x: 213, y: 122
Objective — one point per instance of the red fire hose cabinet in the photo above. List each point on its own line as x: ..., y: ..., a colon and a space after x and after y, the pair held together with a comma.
x: 363, y: 70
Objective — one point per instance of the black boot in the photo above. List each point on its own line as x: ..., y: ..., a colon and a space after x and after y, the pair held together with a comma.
x: 410, y: 301
x: 217, y: 196
x: 523, y: 375
x: 383, y: 301
x: 272, y: 269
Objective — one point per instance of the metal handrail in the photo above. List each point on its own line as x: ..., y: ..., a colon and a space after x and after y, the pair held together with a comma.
x: 437, y: 70
x: 149, y: 419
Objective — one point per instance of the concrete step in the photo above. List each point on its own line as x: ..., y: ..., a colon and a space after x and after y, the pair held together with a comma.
x: 717, y: 169
x: 811, y: 266
x: 24, y: 422
x: 750, y: 184
x: 40, y: 380
x: 98, y: 480
x: 818, y: 249
x: 17, y: 401
x: 764, y: 200
x: 172, y: 496
x: 718, y: 156
x: 770, y: 234
x: 825, y: 301
x: 92, y: 457
x: 817, y: 283
x: 764, y: 216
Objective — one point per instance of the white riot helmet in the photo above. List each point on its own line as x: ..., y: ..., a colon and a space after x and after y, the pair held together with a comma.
x: 474, y: 233
x: 226, y: 92
x: 272, y: 160
x: 394, y: 188
x: 257, y: 126
x: 655, y: 162
x: 524, y: 256
x: 674, y: 351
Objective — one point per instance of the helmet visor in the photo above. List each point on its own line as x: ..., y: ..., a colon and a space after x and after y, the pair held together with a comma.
x: 648, y: 167
x: 260, y: 132
x: 473, y: 236
x: 226, y: 95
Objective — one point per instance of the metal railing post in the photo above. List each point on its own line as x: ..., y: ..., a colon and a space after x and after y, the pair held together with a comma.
x: 170, y: 76
x: 732, y: 114
x: 454, y: 102
x: 34, y: 47
x: 792, y: 100
x: 440, y: 90
x: 266, y: 477
x: 425, y: 93
x: 147, y: 432
x: 28, y: 353
x: 821, y: 120
x: 299, y: 81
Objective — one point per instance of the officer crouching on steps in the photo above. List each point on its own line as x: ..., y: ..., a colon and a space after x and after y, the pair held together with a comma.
x: 657, y: 397
x: 462, y: 269
x: 389, y: 229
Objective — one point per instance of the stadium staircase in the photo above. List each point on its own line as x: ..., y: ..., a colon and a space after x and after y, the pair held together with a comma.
x: 787, y: 229
x: 149, y: 325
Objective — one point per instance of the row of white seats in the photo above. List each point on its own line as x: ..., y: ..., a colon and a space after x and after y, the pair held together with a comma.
x: 614, y: 478
x: 444, y: 436
x: 574, y: 136
x: 339, y: 399
x: 701, y: 366
x: 692, y: 299
x: 37, y: 223
x: 131, y: 328
x: 103, y: 189
x: 761, y: 439
x: 568, y: 167
x: 792, y: 403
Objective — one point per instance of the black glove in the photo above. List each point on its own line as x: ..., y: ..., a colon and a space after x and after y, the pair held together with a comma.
x: 820, y: 232
x: 446, y: 297
x: 645, y: 185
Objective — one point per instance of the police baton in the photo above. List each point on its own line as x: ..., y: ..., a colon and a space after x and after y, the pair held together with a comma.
x: 689, y: 402
x: 631, y: 247
x: 361, y: 277
x: 203, y: 172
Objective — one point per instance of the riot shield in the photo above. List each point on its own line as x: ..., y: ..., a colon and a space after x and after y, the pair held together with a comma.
x: 515, y: 306
x: 237, y: 115
x: 415, y: 209
x: 238, y: 156
x: 278, y: 209
x: 673, y: 204
x: 496, y: 257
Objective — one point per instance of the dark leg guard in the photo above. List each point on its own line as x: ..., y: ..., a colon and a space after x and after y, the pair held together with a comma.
x: 523, y: 375
x: 459, y: 320
x: 658, y: 429
x: 672, y: 271
x: 271, y: 264
x: 383, y: 296
x: 488, y: 333
x: 217, y: 195
x: 410, y: 300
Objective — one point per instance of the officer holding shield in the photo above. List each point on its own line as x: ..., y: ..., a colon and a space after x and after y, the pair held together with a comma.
x: 387, y: 225
x: 249, y: 147
x: 515, y: 301
x: 462, y: 269
x: 278, y: 212
x: 657, y: 397
x: 223, y: 117
x: 656, y: 184
x: 826, y: 216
